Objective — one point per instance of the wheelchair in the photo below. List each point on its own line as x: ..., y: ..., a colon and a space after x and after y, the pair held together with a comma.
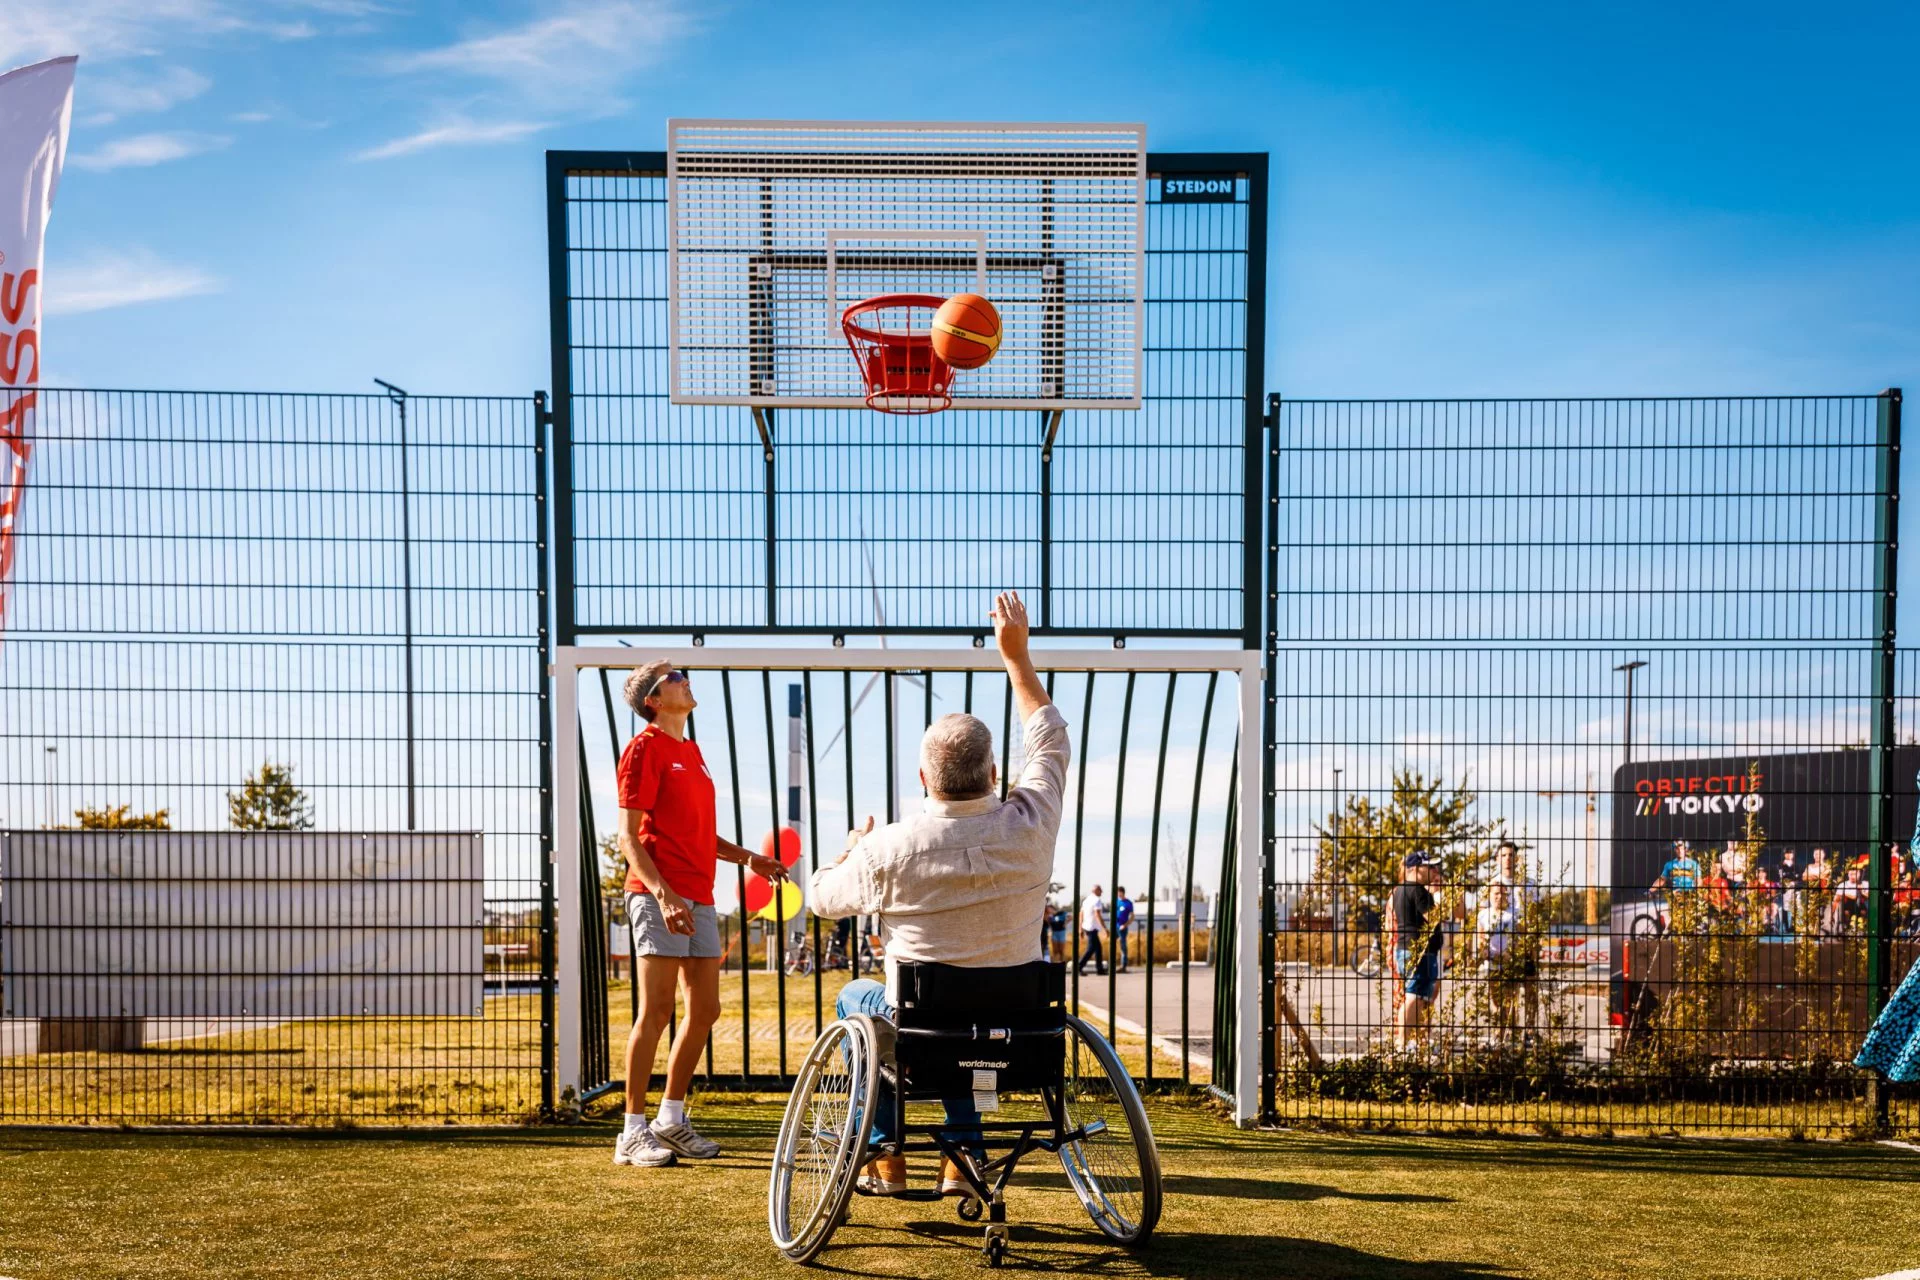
x: 984, y: 1033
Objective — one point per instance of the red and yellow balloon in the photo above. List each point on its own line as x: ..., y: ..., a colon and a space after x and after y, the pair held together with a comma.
x: 761, y: 900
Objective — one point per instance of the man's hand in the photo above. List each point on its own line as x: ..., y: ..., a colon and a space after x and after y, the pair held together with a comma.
x: 1010, y: 629
x: 854, y: 837
x: 766, y: 868
x: 1010, y: 635
x: 674, y: 908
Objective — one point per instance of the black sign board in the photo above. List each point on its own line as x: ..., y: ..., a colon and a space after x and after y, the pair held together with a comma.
x: 1816, y: 799
x: 1199, y: 188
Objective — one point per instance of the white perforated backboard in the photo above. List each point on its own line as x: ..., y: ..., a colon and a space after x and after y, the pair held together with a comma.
x: 774, y: 227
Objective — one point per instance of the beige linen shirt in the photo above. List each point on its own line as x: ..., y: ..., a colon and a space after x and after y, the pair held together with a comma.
x: 965, y: 882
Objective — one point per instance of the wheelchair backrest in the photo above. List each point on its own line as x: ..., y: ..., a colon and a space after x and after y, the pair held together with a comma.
x: 959, y: 1027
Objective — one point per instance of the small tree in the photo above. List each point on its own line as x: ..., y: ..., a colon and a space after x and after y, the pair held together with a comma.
x: 613, y: 866
x: 1361, y: 848
x: 268, y: 801
x: 118, y: 819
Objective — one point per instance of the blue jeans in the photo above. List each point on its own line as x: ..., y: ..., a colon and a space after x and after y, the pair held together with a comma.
x: 1120, y: 947
x: 865, y: 996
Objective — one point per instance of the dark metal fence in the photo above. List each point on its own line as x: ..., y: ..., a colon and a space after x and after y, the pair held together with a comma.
x: 1148, y: 809
x: 1596, y: 629
x: 821, y: 522
x: 352, y: 587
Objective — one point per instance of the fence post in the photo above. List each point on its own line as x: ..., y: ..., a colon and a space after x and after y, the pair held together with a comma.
x: 542, y: 419
x: 1269, y: 779
x: 1880, y: 768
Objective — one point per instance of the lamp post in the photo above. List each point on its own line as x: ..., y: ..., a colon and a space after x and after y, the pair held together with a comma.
x: 398, y: 399
x: 1626, y: 754
x: 52, y: 755
x: 1629, y: 668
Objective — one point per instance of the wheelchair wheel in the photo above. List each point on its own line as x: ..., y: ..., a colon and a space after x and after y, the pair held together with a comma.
x: 1115, y: 1170
x: 823, y: 1139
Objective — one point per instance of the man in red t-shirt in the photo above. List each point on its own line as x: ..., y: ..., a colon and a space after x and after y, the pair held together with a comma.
x: 669, y: 839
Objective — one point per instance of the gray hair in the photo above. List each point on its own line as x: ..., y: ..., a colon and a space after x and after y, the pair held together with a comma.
x: 957, y: 756
x: 637, y: 685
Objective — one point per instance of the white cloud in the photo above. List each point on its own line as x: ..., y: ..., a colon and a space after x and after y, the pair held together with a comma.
x: 251, y: 117
x: 138, y: 94
x: 106, y: 29
x: 145, y: 149
x: 458, y: 133
x: 572, y: 57
x: 106, y: 281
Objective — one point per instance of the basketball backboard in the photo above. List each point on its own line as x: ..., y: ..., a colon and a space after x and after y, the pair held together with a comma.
x: 775, y: 227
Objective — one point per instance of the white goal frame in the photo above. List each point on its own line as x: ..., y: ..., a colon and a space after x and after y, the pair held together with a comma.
x: 570, y: 660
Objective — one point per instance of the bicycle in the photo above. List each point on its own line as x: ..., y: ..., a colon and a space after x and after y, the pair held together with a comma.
x: 1368, y: 957
x: 1655, y: 923
x: 799, y: 958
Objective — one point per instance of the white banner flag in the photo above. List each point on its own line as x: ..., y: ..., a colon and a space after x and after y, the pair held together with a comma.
x: 35, y: 104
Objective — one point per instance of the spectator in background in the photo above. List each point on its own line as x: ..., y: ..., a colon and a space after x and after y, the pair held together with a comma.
x: 1122, y: 922
x: 1417, y: 934
x: 1906, y: 905
x: 1494, y: 926
x: 1523, y: 900
x: 1058, y: 918
x: 1848, y: 909
x: 1789, y: 902
x: 1093, y: 930
x: 1722, y: 904
x: 1819, y: 872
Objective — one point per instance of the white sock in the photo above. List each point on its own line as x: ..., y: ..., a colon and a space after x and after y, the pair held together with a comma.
x: 673, y: 1111
x: 636, y: 1120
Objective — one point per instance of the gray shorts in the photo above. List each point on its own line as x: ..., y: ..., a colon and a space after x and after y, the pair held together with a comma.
x: 651, y: 938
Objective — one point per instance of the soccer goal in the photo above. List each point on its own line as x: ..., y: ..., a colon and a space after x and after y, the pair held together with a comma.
x: 1163, y: 797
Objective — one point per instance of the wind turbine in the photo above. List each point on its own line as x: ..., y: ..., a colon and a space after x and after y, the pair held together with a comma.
x: 893, y: 701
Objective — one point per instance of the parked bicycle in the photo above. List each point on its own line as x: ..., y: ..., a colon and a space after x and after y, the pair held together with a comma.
x: 799, y: 959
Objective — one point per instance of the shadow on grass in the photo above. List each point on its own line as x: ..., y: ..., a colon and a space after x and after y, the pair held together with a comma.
x: 1197, y: 1254
x: 1186, y: 1184
x: 1705, y: 1157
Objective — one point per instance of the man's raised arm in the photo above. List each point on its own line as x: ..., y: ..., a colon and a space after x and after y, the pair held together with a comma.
x: 1010, y: 633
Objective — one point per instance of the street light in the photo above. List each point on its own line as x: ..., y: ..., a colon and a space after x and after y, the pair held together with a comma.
x: 1626, y: 751
x: 52, y: 754
x: 1630, y: 668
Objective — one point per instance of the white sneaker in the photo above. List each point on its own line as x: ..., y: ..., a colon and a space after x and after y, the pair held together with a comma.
x: 682, y: 1138
x: 640, y: 1147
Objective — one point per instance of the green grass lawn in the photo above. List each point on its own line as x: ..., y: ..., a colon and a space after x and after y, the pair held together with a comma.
x: 547, y: 1202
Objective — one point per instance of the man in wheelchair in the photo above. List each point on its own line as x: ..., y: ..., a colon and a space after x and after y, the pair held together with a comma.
x: 970, y: 1008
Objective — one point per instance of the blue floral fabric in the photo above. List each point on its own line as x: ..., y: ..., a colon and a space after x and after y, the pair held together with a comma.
x: 1893, y: 1045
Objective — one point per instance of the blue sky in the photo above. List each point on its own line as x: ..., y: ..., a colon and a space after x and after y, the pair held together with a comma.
x: 1468, y: 199
x: 301, y: 194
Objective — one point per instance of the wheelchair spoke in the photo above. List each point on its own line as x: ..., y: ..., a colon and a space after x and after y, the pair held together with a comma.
x: 821, y: 1140
x: 1111, y: 1160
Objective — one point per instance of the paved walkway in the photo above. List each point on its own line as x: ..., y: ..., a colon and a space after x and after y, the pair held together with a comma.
x: 1128, y: 1005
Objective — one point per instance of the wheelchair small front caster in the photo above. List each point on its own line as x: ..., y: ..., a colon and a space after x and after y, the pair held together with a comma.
x: 995, y: 1247
x: 969, y: 1209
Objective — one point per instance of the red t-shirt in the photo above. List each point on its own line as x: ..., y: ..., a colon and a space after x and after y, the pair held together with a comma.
x: 667, y: 780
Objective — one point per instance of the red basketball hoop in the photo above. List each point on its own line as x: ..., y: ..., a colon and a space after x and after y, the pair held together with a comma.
x: 894, y: 349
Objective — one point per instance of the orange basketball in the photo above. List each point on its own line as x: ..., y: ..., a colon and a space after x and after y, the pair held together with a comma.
x: 966, y: 331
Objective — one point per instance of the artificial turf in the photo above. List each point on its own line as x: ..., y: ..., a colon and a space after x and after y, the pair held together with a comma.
x: 548, y: 1202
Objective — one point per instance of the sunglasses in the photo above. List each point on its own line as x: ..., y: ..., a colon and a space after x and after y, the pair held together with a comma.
x: 671, y: 677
